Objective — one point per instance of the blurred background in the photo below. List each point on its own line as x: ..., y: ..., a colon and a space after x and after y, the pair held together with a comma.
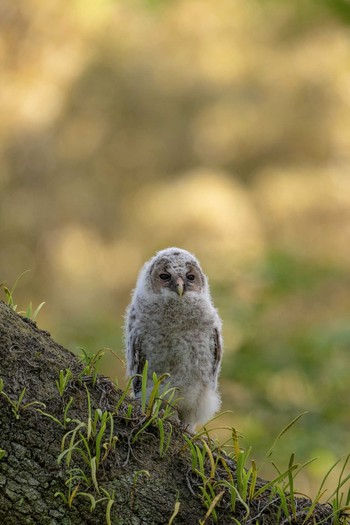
x: 222, y: 127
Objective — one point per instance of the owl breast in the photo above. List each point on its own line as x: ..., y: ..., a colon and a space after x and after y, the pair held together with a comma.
x: 179, y: 335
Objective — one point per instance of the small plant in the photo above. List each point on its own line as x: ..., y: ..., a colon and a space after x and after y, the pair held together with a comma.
x: 339, y: 500
x: 62, y: 382
x: 66, y: 419
x: 29, y: 313
x: 124, y: 395
x: 91, y: 440
x: 158, y: 406
x: 164, y: 441
x: 129, y: 412
x: 158, y: 398
x: 201, y: 455
x: 75, y: 479
x: 110, y: 503
x: 175, y: 513
x: 91, y: 364
x: 18, y: 406
x: 212, y: 500
x: 242, y: 488
x: 9, y: 292
x: 137, y: 474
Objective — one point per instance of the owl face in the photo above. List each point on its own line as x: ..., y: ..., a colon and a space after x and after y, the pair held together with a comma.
x: 175, y: 271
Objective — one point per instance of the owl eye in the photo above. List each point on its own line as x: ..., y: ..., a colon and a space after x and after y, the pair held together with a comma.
x: 190, y: 277
x: 165, y: 276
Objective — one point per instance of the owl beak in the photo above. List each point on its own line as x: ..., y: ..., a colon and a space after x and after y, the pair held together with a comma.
x: 180, y: 286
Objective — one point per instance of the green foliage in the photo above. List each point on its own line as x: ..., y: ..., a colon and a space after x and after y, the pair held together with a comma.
x: 63, y: 380
x: 175, y: 513
x: 9, y: 292
x: 157, y: 407
x: 11, y: 302
x: 241, y: 484
x: 17, y: 405
x: 91, y: 363
x: 66, y: 419
x: 29, y: 312
x: 91, y: 441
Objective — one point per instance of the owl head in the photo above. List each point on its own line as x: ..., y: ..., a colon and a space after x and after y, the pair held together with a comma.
x: 173, y: 272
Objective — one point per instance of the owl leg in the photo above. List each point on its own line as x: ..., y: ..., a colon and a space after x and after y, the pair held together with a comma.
x: 209, y: 403
x: 191, y: 428
x: 201, y: 410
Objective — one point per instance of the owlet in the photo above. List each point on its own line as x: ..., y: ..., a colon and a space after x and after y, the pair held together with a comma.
x: 171, y: 322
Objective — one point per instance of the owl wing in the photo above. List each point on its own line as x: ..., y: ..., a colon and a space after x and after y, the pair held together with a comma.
x: 217, y: 351
x: 139, y: 362
x: 135, y: 357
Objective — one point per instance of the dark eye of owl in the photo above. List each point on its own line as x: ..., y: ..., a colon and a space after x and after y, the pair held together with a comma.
x: 190, y: 277
x: 165, y: 276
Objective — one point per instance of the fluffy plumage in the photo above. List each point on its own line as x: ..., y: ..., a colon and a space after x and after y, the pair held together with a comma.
x: 171, y: 322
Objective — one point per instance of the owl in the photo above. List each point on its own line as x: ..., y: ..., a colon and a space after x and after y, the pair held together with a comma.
x: 172, y: 323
